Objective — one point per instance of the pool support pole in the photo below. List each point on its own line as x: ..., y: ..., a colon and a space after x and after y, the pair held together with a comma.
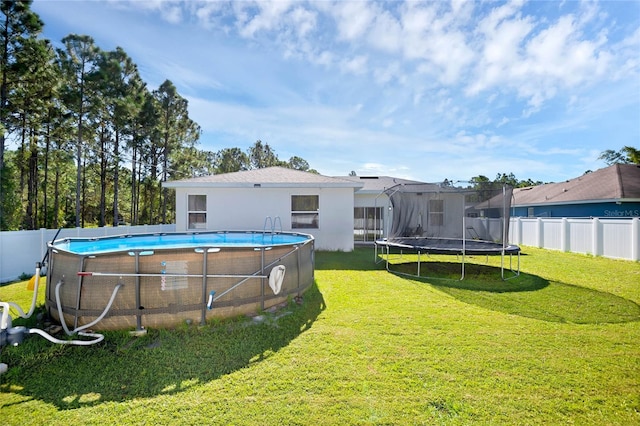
x: 137, y: 291
x: 205, y: 305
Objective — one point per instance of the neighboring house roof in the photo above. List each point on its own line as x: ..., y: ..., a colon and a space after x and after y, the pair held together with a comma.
x: 376, y: 184
x: 620, y: 182
x: 269, y: 177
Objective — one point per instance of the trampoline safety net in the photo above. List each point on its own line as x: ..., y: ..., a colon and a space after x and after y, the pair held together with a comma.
x: 469, y: 211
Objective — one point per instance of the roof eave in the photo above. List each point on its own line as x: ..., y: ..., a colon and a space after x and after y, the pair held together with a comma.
x: 256, y: 185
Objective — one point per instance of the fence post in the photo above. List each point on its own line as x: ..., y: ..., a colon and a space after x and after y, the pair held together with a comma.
x: 635, y: 238
x: 596, y: 237
x: 564, y: 235
x: 514, y: 235
x: 539, y: 233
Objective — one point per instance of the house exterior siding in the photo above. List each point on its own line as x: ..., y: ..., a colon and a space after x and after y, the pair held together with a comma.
x: 605, y: 209
x: 247, y: 209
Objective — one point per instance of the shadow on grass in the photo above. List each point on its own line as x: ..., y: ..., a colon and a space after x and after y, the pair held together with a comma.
x: 162, y: 362
x: 478, y: 277
x: 527, y: 295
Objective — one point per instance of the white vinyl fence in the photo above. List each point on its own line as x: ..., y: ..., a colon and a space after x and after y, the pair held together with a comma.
x: 20, y: 250
x: 614, y: 238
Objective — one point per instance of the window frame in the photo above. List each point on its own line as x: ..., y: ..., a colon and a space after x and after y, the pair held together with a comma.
x: 305, y: 215
x: 436, y: 212
x: 197, y: 212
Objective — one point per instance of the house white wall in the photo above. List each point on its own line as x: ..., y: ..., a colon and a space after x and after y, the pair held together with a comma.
x: 371, y: 200
x: 247, y: 208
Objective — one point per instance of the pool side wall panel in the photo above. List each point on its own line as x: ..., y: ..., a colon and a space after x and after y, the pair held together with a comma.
x: 165, y: 299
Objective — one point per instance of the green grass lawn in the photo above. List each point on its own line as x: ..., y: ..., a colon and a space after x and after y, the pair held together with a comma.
x: 558, y: 345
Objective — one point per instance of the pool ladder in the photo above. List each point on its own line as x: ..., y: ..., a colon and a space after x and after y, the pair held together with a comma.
x: 272, y: 225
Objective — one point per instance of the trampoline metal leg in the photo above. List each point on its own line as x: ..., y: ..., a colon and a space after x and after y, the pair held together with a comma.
x: 516, y: 273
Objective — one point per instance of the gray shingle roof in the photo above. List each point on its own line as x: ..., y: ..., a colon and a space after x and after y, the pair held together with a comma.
x: 266, y: 177
x: 376, y: 184
x: 617, y: 182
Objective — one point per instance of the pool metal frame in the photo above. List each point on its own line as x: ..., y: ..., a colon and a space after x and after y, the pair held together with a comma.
x: 216, y: 288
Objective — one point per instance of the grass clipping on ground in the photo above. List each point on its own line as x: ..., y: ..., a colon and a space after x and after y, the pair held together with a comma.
x: 559, y: 344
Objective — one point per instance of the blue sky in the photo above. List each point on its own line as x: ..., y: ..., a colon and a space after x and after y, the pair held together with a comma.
x: 419, y: 90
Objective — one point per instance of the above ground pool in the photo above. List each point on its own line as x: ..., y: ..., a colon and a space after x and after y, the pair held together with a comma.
x: 161, y: 280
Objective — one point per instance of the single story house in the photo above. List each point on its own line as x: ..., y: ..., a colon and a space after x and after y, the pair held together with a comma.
x: 269, y: 198
x: 611, y: 192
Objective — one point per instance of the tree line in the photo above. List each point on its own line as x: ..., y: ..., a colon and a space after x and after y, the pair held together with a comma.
x: 94, y: 143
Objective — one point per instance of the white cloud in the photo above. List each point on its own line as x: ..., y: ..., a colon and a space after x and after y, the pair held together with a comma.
x: 466, y: 87
x: 353, y: 18
x: 325, y: 58
x: 433, y: 36
x: 386, y: 33
x: 626, y: 58
x: 499, y: 14
x: 386, y: 74
x: 500, y: 40
x: 356, y: 65
x: 536, y: 58
x: 304, y: 21
x: 415, y: 20
x: 209, y: 14
x: 168, y: 10
x: 268, y: 16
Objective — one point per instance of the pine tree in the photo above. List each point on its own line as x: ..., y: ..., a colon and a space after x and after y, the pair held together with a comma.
x: 78, y: 62
x: 17, y: 25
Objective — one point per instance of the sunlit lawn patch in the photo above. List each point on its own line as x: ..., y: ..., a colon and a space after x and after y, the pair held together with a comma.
x: 559, y: 344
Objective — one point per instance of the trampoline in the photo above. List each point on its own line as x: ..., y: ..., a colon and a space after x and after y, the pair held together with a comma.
x: 450, y: 219
x: 450, y: 246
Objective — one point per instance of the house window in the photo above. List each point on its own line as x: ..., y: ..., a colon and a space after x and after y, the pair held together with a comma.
x: 436, y: 212
x: 197, y: 212
x: 304, y: 211
x: 530, y: 212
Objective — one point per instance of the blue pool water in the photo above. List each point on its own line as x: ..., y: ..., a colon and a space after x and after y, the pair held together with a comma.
x: 87, y: 246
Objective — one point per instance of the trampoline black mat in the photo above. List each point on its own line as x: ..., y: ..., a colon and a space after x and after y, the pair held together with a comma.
x: 449, y: 246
